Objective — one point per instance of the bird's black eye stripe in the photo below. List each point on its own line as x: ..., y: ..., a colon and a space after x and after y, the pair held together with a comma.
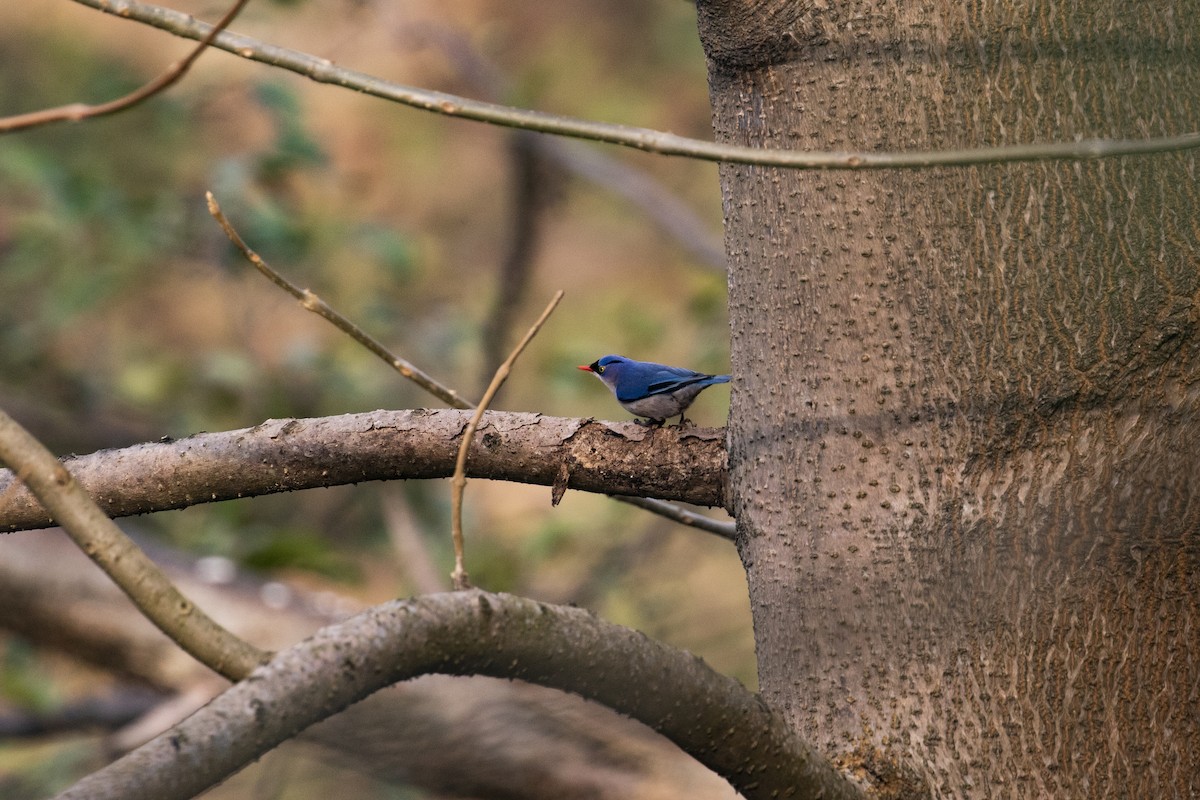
x: 596, y: 368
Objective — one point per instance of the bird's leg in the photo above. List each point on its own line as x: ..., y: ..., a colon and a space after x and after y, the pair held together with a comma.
x: 684, y: 421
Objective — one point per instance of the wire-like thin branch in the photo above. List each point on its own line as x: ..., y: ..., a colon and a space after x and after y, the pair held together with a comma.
x: 121, y: 559
x: 322, y: 71
x: 726, y: 530
x: 710, y: 716
x: 459, y: 482
x: 74, y: 112
x: 311, y: 301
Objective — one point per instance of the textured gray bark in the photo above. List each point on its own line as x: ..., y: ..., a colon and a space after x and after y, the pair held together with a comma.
x: 475, y: 633
x: 521, y: 741
x: 964, y: 428
x: 287, y: 455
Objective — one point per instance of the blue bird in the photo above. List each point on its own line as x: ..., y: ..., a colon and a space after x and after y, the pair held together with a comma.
x: 654, y: 391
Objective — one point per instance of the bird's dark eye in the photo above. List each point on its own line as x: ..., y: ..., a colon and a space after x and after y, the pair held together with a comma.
x: 599, y: 370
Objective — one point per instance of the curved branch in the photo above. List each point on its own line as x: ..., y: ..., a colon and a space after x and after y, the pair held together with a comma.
x: 288, y: 455
x: 710, y: 716
x: 323, y: 71
x: 411, y: 734
x: 458, y: 482
x: 81, y: 111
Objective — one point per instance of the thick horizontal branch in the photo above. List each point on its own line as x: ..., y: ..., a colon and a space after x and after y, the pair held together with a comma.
x: 287, y: 455
x: 323, y: 71
x: 710, y: 716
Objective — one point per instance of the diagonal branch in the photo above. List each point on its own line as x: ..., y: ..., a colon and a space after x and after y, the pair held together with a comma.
x: 312, y: 302
x: 711, y: 717
x: 323, y: 71
x: 726, y: 530
x: 288, y: 455
x: 75, y: 112
x: 68, y: 502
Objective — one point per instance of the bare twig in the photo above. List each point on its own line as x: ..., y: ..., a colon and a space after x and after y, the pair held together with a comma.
x: 121, y: 559
x: 322, y: 71
x: 459, y: 482
x: 74, y: 112
x: 311, y: 301
x: 726, y: 530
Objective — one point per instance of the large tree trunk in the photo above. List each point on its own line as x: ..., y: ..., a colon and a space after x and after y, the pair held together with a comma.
x: 964, y: 433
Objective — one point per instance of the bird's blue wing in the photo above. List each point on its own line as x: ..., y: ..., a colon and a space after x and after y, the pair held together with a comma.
x: 645, y: 379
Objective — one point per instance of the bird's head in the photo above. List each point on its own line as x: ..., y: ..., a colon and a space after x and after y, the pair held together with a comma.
x: 605, y: 368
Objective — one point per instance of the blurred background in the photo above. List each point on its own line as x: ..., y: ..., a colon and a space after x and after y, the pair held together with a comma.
x: 128, y: 317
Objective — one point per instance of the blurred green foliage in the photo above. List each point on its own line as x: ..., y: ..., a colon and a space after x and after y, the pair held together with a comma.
x: 21, y: 680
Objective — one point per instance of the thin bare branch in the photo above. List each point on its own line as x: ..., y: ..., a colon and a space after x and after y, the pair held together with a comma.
x: 475, y: 633
x: 323, y: 71
x: 74, y: 112
x: 459, y: 482
x: 657, y: 204
x: 121, y: 559
x: 726, y: 530
x: 311, y: 301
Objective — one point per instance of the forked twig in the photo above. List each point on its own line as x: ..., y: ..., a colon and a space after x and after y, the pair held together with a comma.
x: 459, y: 482
x: 74, y: 112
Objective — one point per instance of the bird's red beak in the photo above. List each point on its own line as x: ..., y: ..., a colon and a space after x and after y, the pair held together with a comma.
x: 585, y: 367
